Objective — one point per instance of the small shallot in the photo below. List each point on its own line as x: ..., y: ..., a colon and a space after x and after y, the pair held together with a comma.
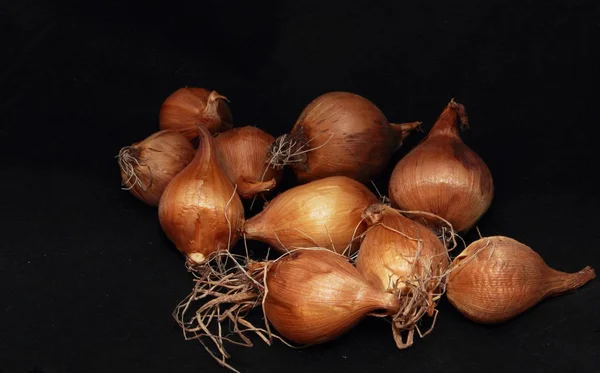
x: 497, y: 278
x: 243, y: 151
x: 149, y: 165
x: 324, y: 213
x: 309, y: 296
x: 443, y: 176
x: 403, y: 257
x: 189, y: 107
x: 339, y: 134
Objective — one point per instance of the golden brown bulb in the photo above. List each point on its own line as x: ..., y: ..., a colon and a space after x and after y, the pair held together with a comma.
x: 315, y: 296
x: 187, y: 108
x: 497, y: 278
x: 396, y: 250
x: 200, y: 211
x: 148, y: 166
x: 243, y: 151
x: 325, y: 213
x: 339, y: 134
x: 443, y: 176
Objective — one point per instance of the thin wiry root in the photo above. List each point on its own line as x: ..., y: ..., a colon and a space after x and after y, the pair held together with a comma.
x: 262, y: 178
x: 291, y: 149
x: 128, y: 163
x: 227, y: 291
x: 418, y: 297
x: 420, y: 291
x: 384, y: 200
x: 447, y: 235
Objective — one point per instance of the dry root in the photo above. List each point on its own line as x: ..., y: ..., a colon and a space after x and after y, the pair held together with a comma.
x: 128, y: 162
x: 292, y: 149
x: 418, y: 296
x: 227, y: 291
x: 420, y: 291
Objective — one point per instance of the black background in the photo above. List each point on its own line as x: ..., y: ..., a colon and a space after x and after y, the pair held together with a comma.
x: 88, y: 279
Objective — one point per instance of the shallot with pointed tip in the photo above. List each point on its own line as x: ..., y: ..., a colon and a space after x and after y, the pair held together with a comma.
x: 199, y: 210
x: 309, y: 296
x: 243, y: 151
x: 324, y: 213
x: 443, y: 176
x: 315, y: 296
x: 189, y: 107
x: 339, y: 134
x: 497, y: 278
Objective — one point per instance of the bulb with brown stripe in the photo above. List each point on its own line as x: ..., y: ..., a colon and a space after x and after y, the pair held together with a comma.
x: 316, y: 295
x: 497, y: 278
x: 443, y: 176
x: 339, y: 134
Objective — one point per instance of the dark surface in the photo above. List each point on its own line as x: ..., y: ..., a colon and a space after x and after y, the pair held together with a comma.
x: 88, y: 279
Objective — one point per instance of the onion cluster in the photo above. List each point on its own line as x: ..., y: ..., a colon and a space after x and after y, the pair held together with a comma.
x: 341, y: 254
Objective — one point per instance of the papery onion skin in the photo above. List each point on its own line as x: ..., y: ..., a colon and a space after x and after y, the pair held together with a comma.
x: 497, y: 278
x: 200, y: 211
x: 389, y: 251
x: 189, y: 107
x: 343, y: 134
x: 443, y: 176
x: 243, y: 151
x: 325, y: 213
x: 148, y: 166
x: 315, y: 296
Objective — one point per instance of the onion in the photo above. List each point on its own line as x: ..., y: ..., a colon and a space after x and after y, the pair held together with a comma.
x: 497, y: 278
x: 243, y: 151
x: 187, y: 108
x: 199, y: 210
x: 149, y: 165
x: 339, y: 134
x: 309, y: 296
x: 324, y: 213
x: 314, y: 296
x: 402, y: 257
x: 443, y: 176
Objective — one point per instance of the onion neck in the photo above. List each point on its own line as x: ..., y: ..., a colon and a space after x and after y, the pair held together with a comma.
x: 250, y: 228
x: 403, y: 130
x: 210, y: 115
x: 391, y: 303
x: 205, y: 154
x: 374, y: 213
x: 249, y: 188
x: 447, y: 123
x: 564, y: 282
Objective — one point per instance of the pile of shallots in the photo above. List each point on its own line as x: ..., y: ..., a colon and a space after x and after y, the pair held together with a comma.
x: 342, y: 253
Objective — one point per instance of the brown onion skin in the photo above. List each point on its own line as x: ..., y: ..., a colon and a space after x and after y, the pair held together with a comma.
x: 185, y: 109
x: 443, y: 176
x: 158, y: 158
x: 243, y: 151
x: 386, y: 256
x: 315, y: 296
x: 325, y: 213
x: 497, y: 278
x: 350, y: 135
x: 193, y: 207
